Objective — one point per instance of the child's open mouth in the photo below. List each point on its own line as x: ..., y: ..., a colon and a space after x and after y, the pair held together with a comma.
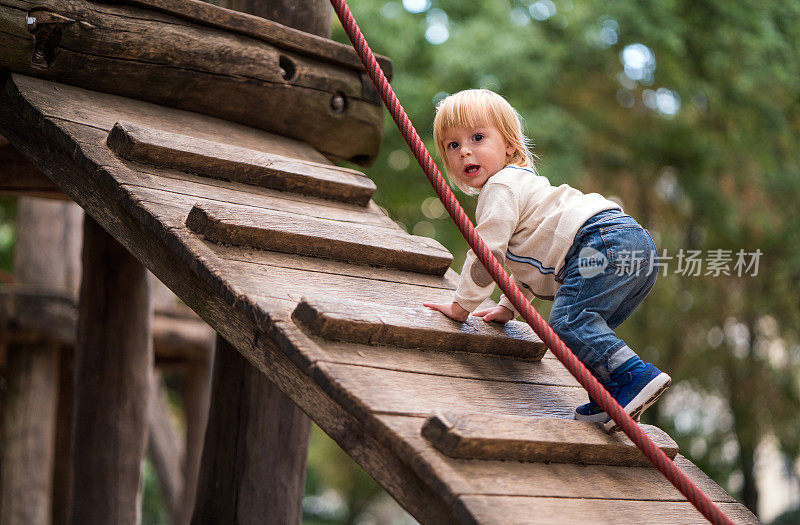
x: 471, y: 169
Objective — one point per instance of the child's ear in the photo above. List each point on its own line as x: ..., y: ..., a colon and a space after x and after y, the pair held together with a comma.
x: 509, y: 149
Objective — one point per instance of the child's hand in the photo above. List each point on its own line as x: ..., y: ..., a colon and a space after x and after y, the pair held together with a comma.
x: 498, y: 314
x: 451, y: 310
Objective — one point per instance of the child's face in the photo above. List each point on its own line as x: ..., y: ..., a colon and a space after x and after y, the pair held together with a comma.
x: 475, y: 153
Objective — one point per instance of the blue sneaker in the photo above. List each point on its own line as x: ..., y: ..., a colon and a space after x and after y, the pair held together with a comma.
x: 637, y: 392
x: 592, y: 412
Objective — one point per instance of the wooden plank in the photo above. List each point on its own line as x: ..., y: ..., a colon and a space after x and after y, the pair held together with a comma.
x: 168, y: 256
x: 536, y: 479
x: 502, y: 510
x: 287, y: 233
x: 196, y: 68
x: 476, y: 436
x: 212, y: 159
x: 102, y: 111
x: 176, y: 186
x: 268, y: 259
x: 457, y: 364
x: 366, y: 391
x: 376, y: 324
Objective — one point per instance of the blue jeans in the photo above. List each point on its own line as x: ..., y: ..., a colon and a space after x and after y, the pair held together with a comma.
x: 609, y: 270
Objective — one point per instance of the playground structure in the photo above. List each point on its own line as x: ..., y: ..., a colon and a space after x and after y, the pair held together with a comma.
x: 217, y: 176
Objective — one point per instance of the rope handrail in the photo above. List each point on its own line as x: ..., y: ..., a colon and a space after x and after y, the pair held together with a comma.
x: 678, y: 478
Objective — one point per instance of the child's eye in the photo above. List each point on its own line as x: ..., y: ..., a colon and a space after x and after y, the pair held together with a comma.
x: 477, y: 137
x: 452, y: 145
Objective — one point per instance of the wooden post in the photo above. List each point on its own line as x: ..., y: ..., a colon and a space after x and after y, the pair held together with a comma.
x: 46, y: 231
x: 253, y: 468
x: 253, y: 464
x: 113, y: 363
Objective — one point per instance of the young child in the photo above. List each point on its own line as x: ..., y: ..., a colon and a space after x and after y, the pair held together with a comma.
x: 579, y: 250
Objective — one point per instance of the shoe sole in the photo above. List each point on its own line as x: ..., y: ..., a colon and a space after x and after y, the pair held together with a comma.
x: 643, y: 400
x: 601, y: 417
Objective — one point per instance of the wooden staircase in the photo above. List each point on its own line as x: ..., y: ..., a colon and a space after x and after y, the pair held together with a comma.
x: 291, y: 261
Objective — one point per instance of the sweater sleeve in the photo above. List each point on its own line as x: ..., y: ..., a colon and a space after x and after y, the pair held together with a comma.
x: 497, y: 216
x: 506, y: 302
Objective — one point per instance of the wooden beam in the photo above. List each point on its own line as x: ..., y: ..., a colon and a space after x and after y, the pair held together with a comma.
x: 414, y: 327
x: 140, y: 52
x: 31, y: 314
x: 45, y: 233
x: 476, y: 436
x: 113, y: 363
x: 211, y: 159
x: 291, y: 233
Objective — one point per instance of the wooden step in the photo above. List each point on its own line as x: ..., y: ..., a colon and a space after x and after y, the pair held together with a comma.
x: 414, y: 327
x: 330, y: 239
x: 474, y: 436
x: 217, y: 160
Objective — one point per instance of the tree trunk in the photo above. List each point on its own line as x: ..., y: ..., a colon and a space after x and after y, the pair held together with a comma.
x: 46, y: 232
x: 113, y: 363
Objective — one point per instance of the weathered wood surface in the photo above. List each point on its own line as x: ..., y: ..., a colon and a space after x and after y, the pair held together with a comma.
x: 166, y: 251
x: 222, y: 161
x: 19, y: 177
x: 140, y: 53
x: 475, y: 436
x: 289, y: 233
x: 65, y: 103
x: 239, y: 300
x: 387, y: 391
x: 483, y: 509
x: 537, y: 479
x: 299, y: 40
x: 113, y: 364
x: 414, y: 327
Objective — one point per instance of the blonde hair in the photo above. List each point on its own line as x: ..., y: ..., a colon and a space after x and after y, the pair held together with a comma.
x: 475, y: 107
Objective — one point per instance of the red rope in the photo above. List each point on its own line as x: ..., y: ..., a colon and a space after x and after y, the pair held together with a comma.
x: 682, y: 482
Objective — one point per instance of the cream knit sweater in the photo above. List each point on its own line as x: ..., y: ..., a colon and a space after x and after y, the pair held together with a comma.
x: 529, y: 225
